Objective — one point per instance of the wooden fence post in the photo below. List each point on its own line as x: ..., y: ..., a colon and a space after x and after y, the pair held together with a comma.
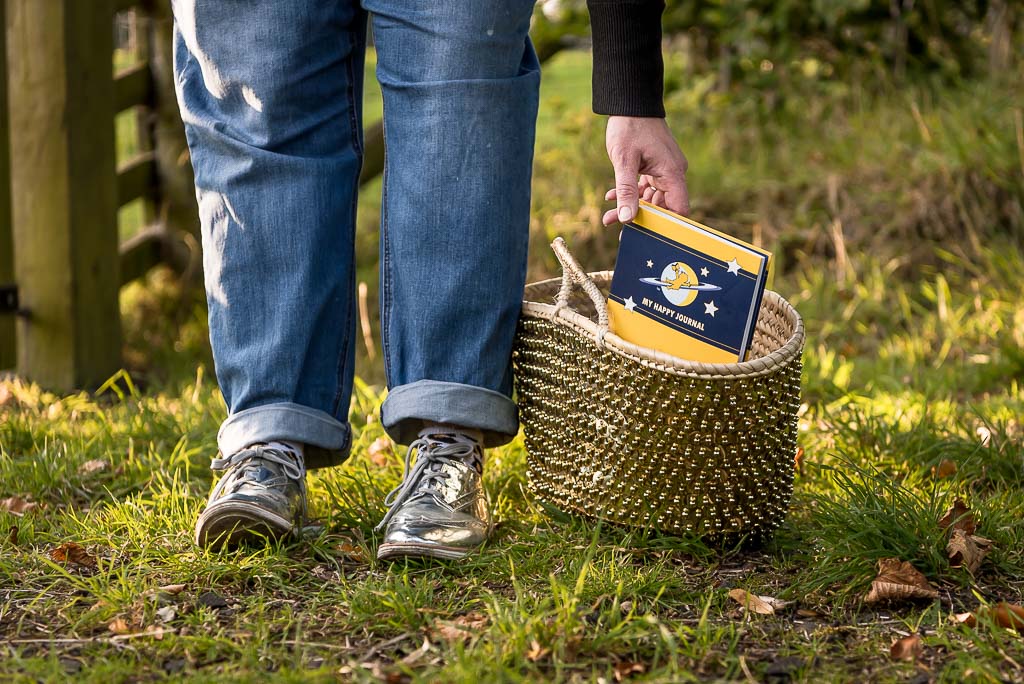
x: 8, y: 353
x: 64, y: 189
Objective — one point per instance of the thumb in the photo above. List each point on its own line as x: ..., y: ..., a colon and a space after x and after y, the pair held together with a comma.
x: 626, y: 195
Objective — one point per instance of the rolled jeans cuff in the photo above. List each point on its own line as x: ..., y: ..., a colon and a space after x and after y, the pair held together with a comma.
x: 326, y: 440
x: 409, y: 407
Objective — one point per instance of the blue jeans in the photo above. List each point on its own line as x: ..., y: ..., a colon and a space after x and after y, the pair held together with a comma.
x: 270, y: 93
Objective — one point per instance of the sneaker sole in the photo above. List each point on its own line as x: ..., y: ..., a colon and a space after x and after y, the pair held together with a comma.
x: 411, y: 550
x: 238, y: 523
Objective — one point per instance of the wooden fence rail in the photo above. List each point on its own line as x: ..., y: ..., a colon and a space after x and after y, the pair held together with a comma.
x: 59, y: 241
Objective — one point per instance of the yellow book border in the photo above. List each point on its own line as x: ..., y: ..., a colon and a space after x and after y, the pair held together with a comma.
x: 638, y: 329
x: 667, y: 223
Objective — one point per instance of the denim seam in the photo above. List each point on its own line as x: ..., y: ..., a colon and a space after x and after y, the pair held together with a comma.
x: 346, y: 333
x: 426, y: 400
x: 419, y: 385
x: 275, y: 407
x: 342, y: 357
x: 353, y: 118
x: 317, y: 457
x: 281, y: 408
x: 385, y: 266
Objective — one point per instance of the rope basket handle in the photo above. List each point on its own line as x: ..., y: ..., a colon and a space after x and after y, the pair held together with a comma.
x: 573, y: 273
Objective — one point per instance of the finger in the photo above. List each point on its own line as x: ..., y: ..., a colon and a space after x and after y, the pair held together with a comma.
x: 645, y: 182
x: 679, y: 200
x: 626, y: 193
x: 658, y: 199
x: 648, y: 194
x: 610, y: 195
x: 610, y: 217
x: 675, y: 195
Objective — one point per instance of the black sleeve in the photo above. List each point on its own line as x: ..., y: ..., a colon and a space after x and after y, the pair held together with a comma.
x: 628, y: 77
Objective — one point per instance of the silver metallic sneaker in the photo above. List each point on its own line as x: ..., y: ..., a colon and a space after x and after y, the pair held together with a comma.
x: 262, y: 496
x: 440, y: 509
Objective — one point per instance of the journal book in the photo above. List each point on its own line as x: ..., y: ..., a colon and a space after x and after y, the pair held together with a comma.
x: 686, y: 289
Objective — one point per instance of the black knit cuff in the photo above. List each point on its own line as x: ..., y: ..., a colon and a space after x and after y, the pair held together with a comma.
x: 628, y: 72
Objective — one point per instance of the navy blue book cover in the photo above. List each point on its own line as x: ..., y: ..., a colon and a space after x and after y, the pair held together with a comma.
x: 695, y: 297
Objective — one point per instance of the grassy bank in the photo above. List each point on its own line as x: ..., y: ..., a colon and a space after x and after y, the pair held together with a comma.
x: 123, y: 475
x: 897, y: 215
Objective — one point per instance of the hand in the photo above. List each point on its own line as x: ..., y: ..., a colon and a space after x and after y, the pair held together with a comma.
x: 644, y: 147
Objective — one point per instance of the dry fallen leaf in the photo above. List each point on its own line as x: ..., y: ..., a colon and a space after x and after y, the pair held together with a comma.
x: 967, y: 550
x: 898, y: 580
x: 798, y: 460
x: 625, y: 669
x: 959, y: 517
x: 907, y: 648
x: 17, y: 505
x: 762, y: 605
x: 380, y: 451
x: 118, y: 626
x: 171, y: 589
x: 946, y: 468
x: 1006, y: 615
x: 462, y: 628
x: 92, y: 467
x: 806, y: 613
x: 751, y: 602
x: 12, y: 536
x: 352, y: 551
x: 967, y: 618
x: 70, y: 552
x: 536, y: 652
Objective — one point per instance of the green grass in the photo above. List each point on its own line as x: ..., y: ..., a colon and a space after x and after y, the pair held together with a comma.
x: 551, y: 599
x: 590, y: 597
x: 913, y: 346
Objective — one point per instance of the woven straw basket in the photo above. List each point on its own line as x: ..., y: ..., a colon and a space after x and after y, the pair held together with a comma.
x: 638, y: 437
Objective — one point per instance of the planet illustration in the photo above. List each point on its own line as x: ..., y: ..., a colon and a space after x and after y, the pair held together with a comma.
x: 679, y: 284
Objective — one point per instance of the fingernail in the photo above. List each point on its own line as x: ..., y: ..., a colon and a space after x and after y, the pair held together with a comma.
x: 625, y: 214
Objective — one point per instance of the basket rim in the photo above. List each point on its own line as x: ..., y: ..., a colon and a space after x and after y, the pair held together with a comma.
x: 662, y: 361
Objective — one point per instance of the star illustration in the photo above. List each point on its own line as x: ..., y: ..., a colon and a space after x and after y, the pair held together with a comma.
x: 630, y: 304
x: 710, y: 308
x: 734, y: 267
x: 704, y: 272
x: 650, y: 264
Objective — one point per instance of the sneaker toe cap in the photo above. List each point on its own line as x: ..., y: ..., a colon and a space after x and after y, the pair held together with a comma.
x: 429, y: 525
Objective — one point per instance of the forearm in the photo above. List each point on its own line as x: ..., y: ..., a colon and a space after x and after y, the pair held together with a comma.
x: 628, y: 76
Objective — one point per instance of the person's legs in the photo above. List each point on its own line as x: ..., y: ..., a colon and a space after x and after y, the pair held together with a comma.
x: 460, y: 82
x: 270, y: 97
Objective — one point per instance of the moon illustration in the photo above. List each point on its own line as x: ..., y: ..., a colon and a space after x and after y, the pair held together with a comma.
x: 679, y: 284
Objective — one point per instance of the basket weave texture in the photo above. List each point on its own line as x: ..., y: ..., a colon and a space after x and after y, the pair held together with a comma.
x: 638, y: 437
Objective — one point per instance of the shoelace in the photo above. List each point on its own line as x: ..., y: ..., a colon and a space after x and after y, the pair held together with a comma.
x: 431, y: 454
x: 252, y: 459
